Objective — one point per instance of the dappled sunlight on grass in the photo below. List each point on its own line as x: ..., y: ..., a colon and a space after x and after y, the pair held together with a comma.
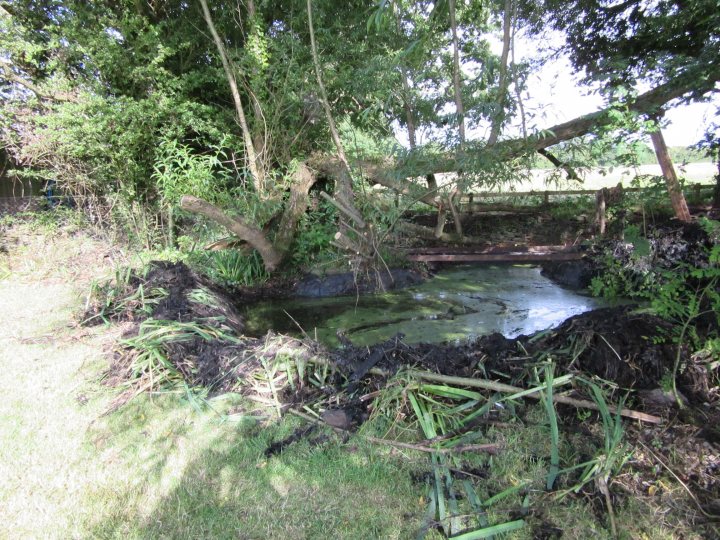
x: 197, y: 477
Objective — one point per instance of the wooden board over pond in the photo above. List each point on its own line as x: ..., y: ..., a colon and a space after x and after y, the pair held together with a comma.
x: 511, y: 254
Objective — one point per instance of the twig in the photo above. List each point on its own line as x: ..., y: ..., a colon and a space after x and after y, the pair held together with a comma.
x: 490, y: 448
x: 683, y: 484
x: 500, y: 387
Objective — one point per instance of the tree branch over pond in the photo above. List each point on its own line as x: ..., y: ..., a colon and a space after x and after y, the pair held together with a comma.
x: 395, y: 176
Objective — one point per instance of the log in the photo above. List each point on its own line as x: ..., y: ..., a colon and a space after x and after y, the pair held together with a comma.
x: 532, y: 393
x: 238, y: 226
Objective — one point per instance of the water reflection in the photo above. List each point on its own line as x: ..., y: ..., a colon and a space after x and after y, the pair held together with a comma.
x: 460, y: 303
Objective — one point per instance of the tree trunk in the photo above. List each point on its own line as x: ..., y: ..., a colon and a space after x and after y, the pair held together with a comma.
x: 255, y: 170
x: 272, y: 254
x: 459, y: 111
x: 457, y: 83
x: 516, y: 78
x: 677, y: 199
x: 295, y: 208
x: 344, y: 181
x: 238, y: 226
x: 260, y: 137
x: 407, y: 105
x: 412, y: 138
x: 716, y: 191
x: 499, y: 115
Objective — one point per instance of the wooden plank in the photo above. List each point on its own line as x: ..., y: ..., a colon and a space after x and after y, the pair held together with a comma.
x: 498, y: 248
x: 497, y: 257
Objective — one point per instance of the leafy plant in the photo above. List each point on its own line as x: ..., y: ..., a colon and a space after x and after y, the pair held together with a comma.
x: 234, y: 268
x: 610, y: 460
x: 317, y: 229
x: 151, y: 367
x: 547, y: 400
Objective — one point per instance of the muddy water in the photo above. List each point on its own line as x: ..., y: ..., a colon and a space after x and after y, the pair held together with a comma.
x: 459, y: 303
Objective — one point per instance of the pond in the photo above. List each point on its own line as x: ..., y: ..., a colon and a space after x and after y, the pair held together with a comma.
x: 459, y: 303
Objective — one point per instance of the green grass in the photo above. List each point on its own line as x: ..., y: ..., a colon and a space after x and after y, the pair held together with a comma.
x: 159, y: 467
x: 192, y: 476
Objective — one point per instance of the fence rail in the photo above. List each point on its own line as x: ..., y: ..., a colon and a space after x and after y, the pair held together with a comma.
x: 470, y: 198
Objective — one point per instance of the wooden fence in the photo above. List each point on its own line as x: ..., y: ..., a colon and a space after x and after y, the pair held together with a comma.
x: 472, y: 198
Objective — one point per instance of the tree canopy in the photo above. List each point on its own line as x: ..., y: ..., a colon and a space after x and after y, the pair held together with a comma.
x: 127, y: 103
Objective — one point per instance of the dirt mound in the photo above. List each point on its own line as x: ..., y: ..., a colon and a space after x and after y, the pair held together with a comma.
x: 665, y: 247
x: 166, y: 291
x: 617, y: 344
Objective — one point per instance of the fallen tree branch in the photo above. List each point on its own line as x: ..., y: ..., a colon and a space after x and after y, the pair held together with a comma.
x: 490, y: 448
x: 344, y: 209
x: 239, y: 227
x: 531, y: 393
x: 396, y: 176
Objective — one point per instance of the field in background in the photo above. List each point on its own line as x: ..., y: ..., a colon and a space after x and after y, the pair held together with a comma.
x: 597, y: 178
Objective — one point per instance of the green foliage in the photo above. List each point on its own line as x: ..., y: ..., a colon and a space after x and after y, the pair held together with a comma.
x: 317, y: 230
x: 178, y: 171
x: 620, y: 279
x: 570, y: 207
x: 232, y: 267
x: 683, y: 296
x: 360, y: 144
x: 636, y: 41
